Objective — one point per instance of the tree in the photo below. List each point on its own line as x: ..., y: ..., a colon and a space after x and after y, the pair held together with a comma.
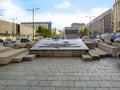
x: 53, y: 34
x: 42, y: 31
x: 95, y: 33
x: 86, y: 31
x: 83, y: 32
x: 80, y: 32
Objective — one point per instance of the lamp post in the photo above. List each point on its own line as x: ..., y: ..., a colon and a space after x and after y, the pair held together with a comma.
x: 13, y: 32
x: 102, y: 28
x: 0, y: 25
x: 33, y: 10
x: 90, y: 17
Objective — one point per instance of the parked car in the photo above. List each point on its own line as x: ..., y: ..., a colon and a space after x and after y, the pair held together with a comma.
x: 8, y: 41
x: 115, y: 37
x: 1, y: 40
x: 117, y: 40
x: 96, y: 40
x: 22, y: 40
x: 54, y: 38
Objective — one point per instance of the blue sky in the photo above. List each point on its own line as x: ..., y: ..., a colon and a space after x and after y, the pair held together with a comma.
x: 61, y: 12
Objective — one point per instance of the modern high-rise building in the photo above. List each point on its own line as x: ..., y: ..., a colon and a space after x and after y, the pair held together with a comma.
x: 116, y: 16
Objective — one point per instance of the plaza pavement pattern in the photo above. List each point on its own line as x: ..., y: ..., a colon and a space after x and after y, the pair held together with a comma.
x: 52, y: 73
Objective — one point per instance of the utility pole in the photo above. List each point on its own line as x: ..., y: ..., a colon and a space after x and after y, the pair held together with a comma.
x: 90, y: 17
x: 33, y: 10
x: 13, y: 32
x: 90, y: 34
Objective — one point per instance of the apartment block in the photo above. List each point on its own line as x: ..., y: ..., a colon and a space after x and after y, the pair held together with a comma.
x: 116, y: 16
x: 103, y: 23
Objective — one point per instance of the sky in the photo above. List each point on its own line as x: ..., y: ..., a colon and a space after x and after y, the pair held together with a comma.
x: 62, y: 13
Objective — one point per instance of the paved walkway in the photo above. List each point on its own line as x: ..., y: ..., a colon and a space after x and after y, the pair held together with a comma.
x: 61, y: 74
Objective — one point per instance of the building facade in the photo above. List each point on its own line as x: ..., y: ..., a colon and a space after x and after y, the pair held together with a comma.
x: 12, y: 29
x: 47, y: 25
x: 103, y: 23
x: 77, y: 25
x: 8, y: 27
x: 116, y: 16
x: 26, y: 30
x: 32, y: 32
x: 71, y: 32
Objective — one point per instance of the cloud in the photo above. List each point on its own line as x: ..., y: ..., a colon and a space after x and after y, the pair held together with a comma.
x: 98, y: 11
x: 10, y: 10
x: 63, y: 5
x: 59, y: 20
x: 62, y: 20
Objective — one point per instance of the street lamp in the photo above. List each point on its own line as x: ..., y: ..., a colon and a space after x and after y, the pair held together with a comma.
x: 13, y: 32
x: 33, y: 10
x: 102, y: 25
x: 90, y: 17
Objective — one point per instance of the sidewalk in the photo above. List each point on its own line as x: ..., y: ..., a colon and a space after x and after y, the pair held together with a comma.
x: 51, y: 73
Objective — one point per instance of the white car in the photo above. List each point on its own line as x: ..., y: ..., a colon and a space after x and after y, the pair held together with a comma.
x: 117, y: 40
x: 96, y: 40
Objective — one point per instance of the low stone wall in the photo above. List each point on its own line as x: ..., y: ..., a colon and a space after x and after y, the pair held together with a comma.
x: 111, y: 49
x: 90, y: 44
x: 57, y: 53
x: 23, y: 45
x: 116, y: 44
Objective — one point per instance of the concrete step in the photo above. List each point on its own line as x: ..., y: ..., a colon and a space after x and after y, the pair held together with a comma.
x: 3, y: 49
x: 108, y: 48
x: 29, y: 57
x: 94, y: 55
x: 101, y: 54
x: 20, y: 57
x: 86, y: 57
x: 107, y: 54
x: 6, y: 57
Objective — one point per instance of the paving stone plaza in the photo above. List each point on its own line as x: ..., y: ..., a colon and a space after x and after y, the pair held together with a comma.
x: 64, y: 73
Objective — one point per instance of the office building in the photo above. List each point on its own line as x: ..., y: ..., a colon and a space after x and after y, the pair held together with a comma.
x: 116, y: 16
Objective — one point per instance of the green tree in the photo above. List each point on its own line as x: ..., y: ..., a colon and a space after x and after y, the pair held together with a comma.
x: 95, y: 32
x: 86, y: 31
x: 42, y: 31
x: 80, y: 32
x: 83, y: 32
x: 53, y: 34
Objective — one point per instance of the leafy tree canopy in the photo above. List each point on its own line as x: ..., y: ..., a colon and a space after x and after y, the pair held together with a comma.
x: 83, y: 32
x: 42, y: 31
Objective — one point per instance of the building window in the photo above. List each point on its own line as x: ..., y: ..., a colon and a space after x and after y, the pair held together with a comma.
x: 116, y: 24
x: 119, y: 23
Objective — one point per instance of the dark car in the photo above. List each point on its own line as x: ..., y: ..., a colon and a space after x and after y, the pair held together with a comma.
x: 54, y: 38
x: 8, y: 41
x: 1, y: 40
x: 25, y: 40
